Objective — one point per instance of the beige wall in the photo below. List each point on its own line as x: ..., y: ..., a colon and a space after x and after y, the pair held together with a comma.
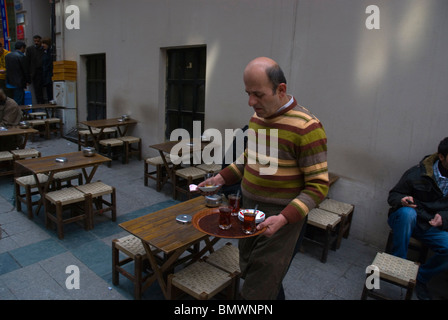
x: 379, y: 93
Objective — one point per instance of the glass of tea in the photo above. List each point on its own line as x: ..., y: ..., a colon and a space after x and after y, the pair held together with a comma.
x: 224, y: 218
x: 234, y: 203
x: 249, y: 225
x: 207, y: 179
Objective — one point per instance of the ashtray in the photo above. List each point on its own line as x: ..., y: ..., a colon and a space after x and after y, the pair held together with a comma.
x: 183, y: 218
x: 61, y: 159
x: 258, y: 218
x: 209, y: 188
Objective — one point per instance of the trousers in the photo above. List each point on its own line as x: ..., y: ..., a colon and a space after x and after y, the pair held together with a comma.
x: 404, y: 226
x: 264, y: 261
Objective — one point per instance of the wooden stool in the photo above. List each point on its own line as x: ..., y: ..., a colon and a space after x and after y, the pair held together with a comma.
x: 414, y: 244
x: 129, y: 150
x: 227, y: 258
x: 85, y: 138
x: 59, y: 199
x: 25, y: 154
x: 345, y: 211
x: 189, y: 174
x: 133, y: 248
x: 324, y: 221
x: 94, y: 192
x: 7, y: 160
x: 159, y: 175
x: 202, y: 281
x: 110, y: 144
x: 53, y: 125
x: 28, y: 183
x: 66, y: 176
x: 210, y: 168
x: 395, y: 270
x: 39, y: 125
x: 37, y: 115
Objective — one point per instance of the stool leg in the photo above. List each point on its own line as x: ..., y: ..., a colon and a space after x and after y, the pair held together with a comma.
x: 138, y: 266
x: 18, y: 197
x: 145, y: 174
x: 115, y: 261
x: 60, y: 225
x: 113, y: 200
x: 29, y: 203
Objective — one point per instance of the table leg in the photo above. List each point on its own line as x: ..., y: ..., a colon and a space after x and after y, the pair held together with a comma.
x: 159, y: 270
x: 96, y: 138
x: 88, y: 177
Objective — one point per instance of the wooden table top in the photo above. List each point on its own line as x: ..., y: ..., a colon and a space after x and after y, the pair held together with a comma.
x: 16, y: 131
x: 75, y: 160
x: 41, y: 106
x: 168, y: 145
x: 105, y: 123
x: 161, y: 230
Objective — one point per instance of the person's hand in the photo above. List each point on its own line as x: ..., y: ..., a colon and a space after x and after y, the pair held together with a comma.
x: 408, y: 201
x: 272, y: 224
x: 217, y: 180
x: 436, y: 221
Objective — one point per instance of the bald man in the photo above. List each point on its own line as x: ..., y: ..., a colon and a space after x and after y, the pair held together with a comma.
x: 286, y: 195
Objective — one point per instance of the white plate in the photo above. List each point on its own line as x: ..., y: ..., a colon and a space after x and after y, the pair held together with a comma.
x: 208, y: 189
x: 259, y: 218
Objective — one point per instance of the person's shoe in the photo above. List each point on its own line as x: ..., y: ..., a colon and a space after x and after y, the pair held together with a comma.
x: 422, y: 291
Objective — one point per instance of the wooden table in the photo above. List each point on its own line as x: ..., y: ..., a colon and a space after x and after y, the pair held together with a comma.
x: 50, y: 109
x: 107, y: 123
x: 164, y: 148
x: 48, y: 165
x: 161, y: 230
x: 15, y: 131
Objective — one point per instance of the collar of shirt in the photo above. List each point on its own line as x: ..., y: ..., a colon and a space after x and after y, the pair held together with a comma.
x: 285, y: 106
x: 441, y: 181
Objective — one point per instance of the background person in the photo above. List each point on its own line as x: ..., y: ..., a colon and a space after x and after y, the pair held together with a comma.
x: 10, y: 115
x: 286, y: 196
x: 419, y: 208
x: 3, y: 53
x: 47, y: 69
x: 34, y: 55
x: 16, y: 72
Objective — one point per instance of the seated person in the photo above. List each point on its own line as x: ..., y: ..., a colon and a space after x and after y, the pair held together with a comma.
x: 419, y: 208
x: 10, y: 115
x: 10, y: 112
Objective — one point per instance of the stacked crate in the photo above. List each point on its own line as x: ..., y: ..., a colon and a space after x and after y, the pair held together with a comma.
x: 64, y: 70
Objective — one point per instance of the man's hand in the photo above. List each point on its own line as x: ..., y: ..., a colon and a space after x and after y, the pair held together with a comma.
x: 273, y: 224
x: 408, y: 201
x: 217, y: 180
x: 436, y: 221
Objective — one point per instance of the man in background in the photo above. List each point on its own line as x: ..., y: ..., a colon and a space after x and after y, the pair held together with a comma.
x: 16, y: 72
x: 34, y: 55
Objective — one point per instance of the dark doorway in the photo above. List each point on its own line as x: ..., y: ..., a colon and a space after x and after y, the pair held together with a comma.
x: 185, y: 92
x: 96, y: 86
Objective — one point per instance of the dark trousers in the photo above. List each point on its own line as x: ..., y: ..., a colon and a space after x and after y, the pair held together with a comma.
x: 19, y: 96
x: 38, y: 87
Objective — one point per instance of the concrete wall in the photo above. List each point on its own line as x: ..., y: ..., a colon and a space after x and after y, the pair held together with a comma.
x: 379, y: 93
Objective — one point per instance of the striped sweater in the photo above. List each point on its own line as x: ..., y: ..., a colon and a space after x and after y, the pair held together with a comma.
x: 298, y: 163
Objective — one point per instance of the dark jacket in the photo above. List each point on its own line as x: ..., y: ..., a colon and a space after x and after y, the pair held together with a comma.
x: 47, y: 67
x: 34, y: 60
x: 419, y: 183
x: 16, y: 71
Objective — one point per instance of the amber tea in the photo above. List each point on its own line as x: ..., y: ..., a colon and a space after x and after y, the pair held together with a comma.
x: 224, y: 218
